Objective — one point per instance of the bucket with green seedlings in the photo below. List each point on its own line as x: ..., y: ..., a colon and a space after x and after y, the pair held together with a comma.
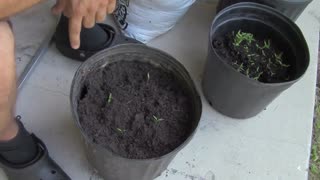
x: 252, y: 59
x: 136, y: 108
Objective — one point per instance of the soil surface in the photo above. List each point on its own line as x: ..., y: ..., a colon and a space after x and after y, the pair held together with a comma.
x: 257, y: 58
x: 135, y: 109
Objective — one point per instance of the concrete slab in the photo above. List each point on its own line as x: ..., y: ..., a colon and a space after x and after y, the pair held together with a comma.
x: 274, y: 145
x: 30, y: 28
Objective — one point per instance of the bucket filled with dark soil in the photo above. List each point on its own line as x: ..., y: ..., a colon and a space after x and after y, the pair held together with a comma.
x: 136, y: 107
x: 290, y: 8
x: 255, y: 53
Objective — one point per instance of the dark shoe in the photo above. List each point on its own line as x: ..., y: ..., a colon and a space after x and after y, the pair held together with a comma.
x: 41, y: 168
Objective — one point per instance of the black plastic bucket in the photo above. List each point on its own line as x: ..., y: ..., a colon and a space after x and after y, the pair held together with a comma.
x: 233, y: 93
x: 290, y: 8
x: 110, y: 165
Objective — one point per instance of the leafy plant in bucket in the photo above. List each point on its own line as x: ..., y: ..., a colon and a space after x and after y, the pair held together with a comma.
x: 256, y: 58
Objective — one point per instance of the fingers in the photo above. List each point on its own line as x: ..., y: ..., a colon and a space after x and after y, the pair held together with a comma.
x: 59, y: 7
x: 90, y: 18
x: 89, y: 21
x: 102, y: 13
x: 75, y: 24
x: 111, y: 6
x: 86, y: 13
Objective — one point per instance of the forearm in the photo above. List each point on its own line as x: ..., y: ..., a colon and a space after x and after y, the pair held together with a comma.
x: 12, y: 7
x: 8, y: 82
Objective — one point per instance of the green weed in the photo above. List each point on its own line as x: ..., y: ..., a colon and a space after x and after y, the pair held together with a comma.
x: 110, y: 98
x: 121, y: 131
x: 242, y: 36
x: 156, y: 119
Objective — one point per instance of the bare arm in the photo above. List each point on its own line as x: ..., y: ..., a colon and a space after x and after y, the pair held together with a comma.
x: 80, y: 12
x: 12, y: 7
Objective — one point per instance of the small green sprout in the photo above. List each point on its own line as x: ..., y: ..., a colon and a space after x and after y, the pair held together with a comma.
x: 110, y: 98
x: 258, y: 76
x: 257, y: 45
x: 251, y: 61
x: 278, y: 56
x: 246, y: 48
x: 263, y: 53
x: 279, y: 60
x: 148, y: 76
x: 240, y: 68
x: 156, y: 119
x: 269, y: 66
x: 283, y: 65
x: 258, y: 68
x: 121, y: 131
x: 242, y: 36
x: 267, y: 44
x: 248, y: 72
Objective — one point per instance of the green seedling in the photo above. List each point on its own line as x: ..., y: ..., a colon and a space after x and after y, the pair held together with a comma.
x: 258, y: 76
x: 263, y: 53
x: 121, y: 131
x: 250, y: 60
x: 156, y: 119
x: 240, y: 68
x: 278, y: 56
x: 248, y: 72
x: 279, y: 60
x: 283, y: 65
x: 251, y: 55
x: 258, y: 68
x: 272, y: 73
x: 269, y: 66
x: 110, y: 98
x: 257, y: 45
x: 242, y: 36
x: 148, y: 76
x: 246, y: 48
x: 267, y: 44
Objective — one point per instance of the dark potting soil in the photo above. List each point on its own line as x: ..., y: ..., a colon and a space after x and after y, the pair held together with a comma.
x: 255, y: 57
x: 135, y: 109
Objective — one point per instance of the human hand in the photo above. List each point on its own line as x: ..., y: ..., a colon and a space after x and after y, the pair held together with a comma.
x: 83, y: 12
